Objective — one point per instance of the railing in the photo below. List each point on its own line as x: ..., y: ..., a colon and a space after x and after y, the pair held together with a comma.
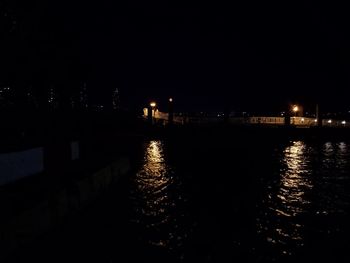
x: 261, y: 120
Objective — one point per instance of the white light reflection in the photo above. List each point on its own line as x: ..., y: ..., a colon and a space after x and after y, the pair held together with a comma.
x: 295, y: 180
x: 155, y: 202
x: 282, y: 223
x: 154, y: 172
x: 292, y: 199
x: 336, y: 155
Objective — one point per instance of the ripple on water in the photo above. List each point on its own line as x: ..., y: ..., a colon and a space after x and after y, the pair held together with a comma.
x: 156, y: 201
x: 311, y: 183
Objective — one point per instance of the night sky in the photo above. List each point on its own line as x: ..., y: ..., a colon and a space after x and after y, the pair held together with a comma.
x: 205, y: 56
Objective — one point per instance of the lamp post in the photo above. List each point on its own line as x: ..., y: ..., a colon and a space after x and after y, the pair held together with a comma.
x: 153, y: 109
x: 295, y: 109
x: 171, y: 112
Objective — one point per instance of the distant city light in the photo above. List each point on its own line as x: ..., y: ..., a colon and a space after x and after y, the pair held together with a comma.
x: 302, y: 119
x: 343, y: 122
x: 329, y: 121
x: 153, y: 104
x: 4, y: 89
x: 315, y: 120
x: 295, y: 108
x: 171, y: 99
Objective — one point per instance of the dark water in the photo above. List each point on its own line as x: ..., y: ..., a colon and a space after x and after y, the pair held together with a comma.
x: 285, y: 201
x: 219, y: 202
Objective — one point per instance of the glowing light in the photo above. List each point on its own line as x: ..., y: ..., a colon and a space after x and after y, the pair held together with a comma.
x: 343, y: 122
x: 295, y: 108
x: 291, y: 200
x: 302, y: 119
x: 171, y: 100
x: 155, y: 203
x: 145, y: 112
x: 153, y: 104
x: 329, y: 121
x: 315, y: 120
x: 295, y: 181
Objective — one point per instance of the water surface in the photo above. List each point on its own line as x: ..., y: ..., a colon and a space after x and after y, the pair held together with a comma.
x: 207, y: 201
x: 286, y: 201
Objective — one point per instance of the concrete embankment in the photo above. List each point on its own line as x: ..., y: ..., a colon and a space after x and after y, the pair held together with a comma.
x: 27, y: 218
x: 34, y: 204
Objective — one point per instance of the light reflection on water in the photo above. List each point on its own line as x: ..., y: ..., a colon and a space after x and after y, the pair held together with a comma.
x: 332, y: 192
x: 309, y: 184
x: 295, y: 180
x: 289, y: 201
x: 156, y: 201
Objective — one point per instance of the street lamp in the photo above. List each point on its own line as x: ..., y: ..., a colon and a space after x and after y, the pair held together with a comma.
x: 170, y: 111
x: 295, y: 109
x: 153, y: 107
